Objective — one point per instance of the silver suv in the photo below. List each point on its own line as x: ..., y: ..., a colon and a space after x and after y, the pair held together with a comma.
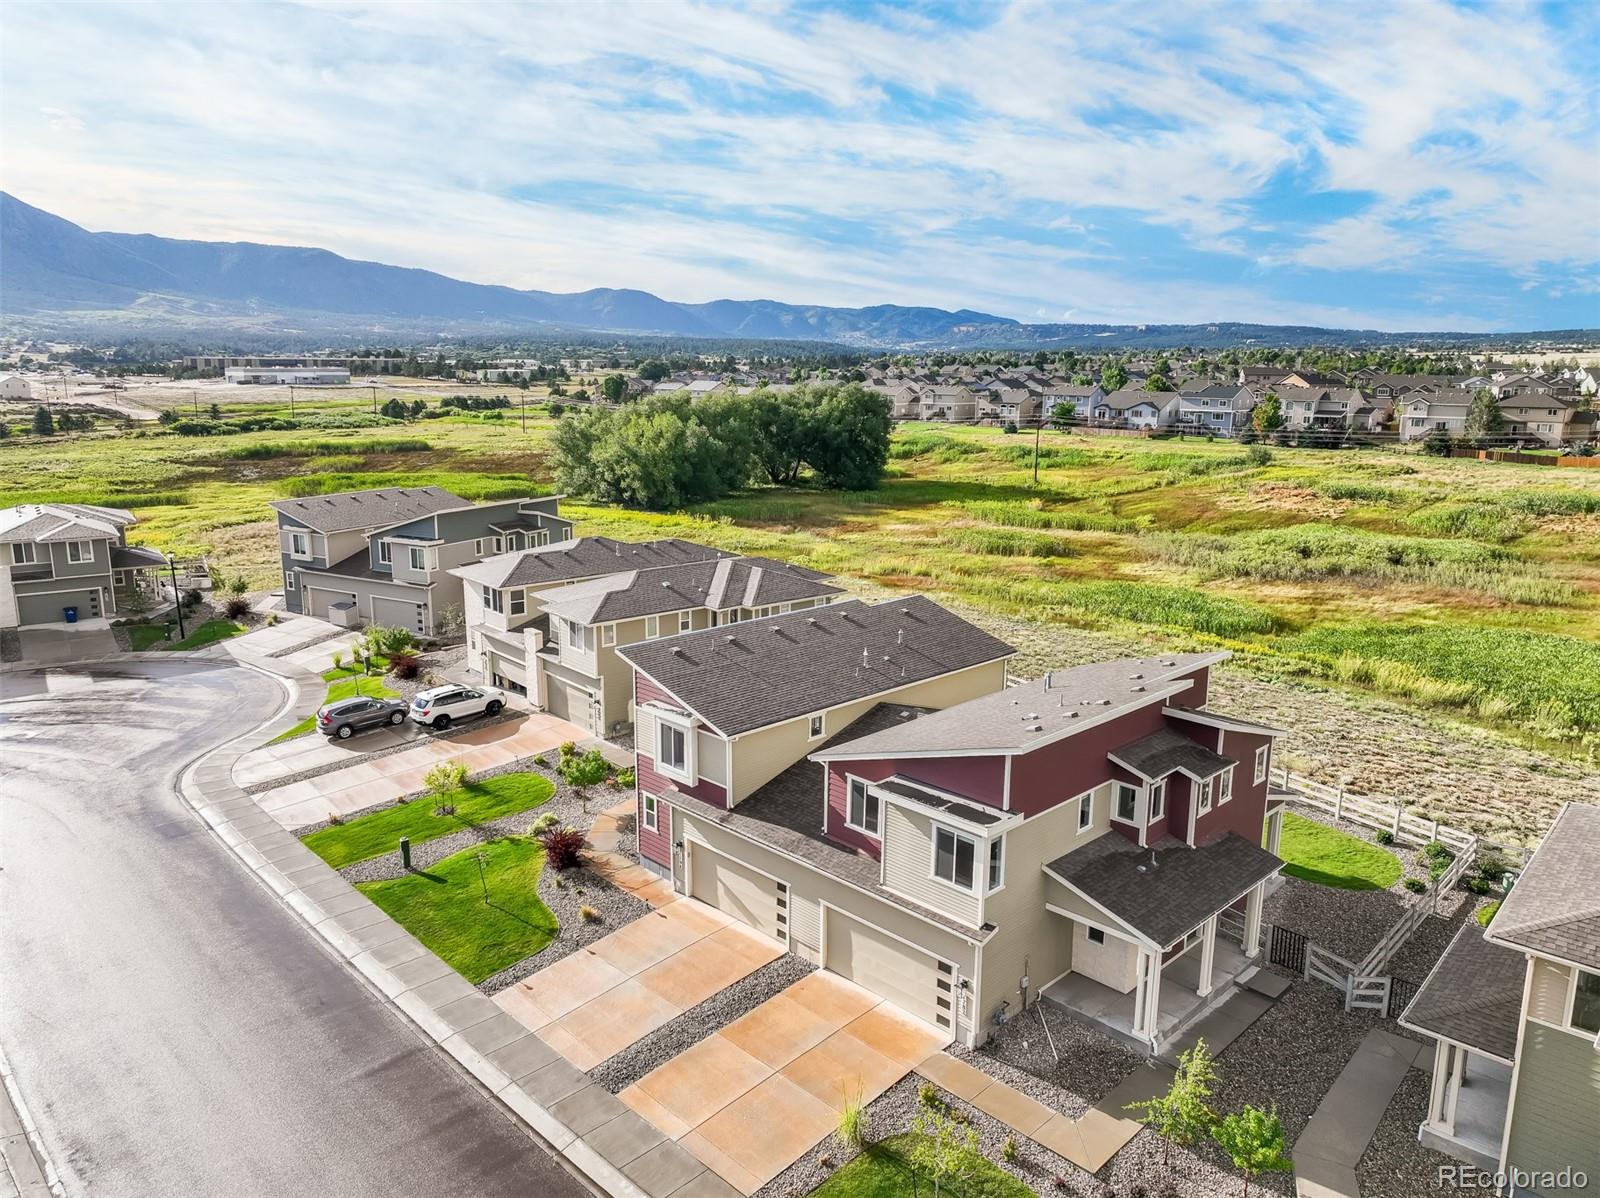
x: 440, y: 705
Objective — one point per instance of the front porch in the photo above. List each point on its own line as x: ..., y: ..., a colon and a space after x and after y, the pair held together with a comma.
x: 1467, y: 1106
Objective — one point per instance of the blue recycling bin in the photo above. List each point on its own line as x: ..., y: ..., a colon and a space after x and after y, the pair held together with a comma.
x: 71, y: 613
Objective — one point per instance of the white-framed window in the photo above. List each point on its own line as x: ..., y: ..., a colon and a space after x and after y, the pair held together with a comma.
x: 543, y: 537
x: 1584, y: 1011
x: 22, y: 554
x: 1205, y: 796
x: 80, y: 551
x: 685, y: 621
x: 863, y: 809
x: 419, y: 558
x: 1127, y: 808
x: 519, y: 603
x: 814, y: 729
x: 385, y: 553
x: 652, y: 818
x: 608, y: 634
x: 954, y: 857
x: 1224, y: 786
x: 997, y: 863
x: 673, y: 743
x: 652, y: 627
x: 493, y: 600
x: 1263, y: 759
x: 299, y: 544
x: 575, y: 634
x: 1085, y: 810
x: 1158, y: 801
x: 288, y: 582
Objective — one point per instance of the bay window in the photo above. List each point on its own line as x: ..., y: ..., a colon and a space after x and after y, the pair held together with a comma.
x: 954, y: 857
x: 1158, y: 801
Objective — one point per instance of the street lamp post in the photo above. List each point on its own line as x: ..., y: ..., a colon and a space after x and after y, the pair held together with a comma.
x: 177, y: 599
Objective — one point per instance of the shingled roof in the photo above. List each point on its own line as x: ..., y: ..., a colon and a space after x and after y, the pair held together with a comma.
x: 1034, y: 713
x: 721, y: 584
x: 1473, y: 995
x: 1157, y: 755
x: 746, y: 676
x: 583, y: 557
x: 45, y: 522
x: 1554, y: 908
x: 368, y: 509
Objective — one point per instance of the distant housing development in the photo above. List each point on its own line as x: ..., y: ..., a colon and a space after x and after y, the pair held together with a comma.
x: 283, y: 376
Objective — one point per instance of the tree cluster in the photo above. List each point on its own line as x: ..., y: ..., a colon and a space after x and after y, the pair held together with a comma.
x: 667, y: 450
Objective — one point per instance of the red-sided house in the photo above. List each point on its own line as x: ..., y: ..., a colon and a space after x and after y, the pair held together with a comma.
x: 1096, y: 836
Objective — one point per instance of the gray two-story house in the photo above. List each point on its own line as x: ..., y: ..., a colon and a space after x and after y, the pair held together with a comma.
x: 385, y: 556
x: 65, y: 563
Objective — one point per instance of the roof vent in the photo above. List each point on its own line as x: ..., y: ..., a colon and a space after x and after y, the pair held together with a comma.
x: 676, y: 651
x: 1035, y: 727
x: 1136, y: 677
x: 811, y: 620
x: 899, y: 636
x: 866, y: 659
x: 1032, y: 715
x: 1137, y: 689
x: 1072, y: 715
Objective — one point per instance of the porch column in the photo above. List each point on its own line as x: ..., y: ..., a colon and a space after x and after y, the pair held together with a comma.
x: 1208, y: 956
x: 1460, y: 1060
x: 1150, y: 991
x: 1251, y: 943
x: 1436, y: 1095
x: 1275, y: 832
x: 1141, y: 979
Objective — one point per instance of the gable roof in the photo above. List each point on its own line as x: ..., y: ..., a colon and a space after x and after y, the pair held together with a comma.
x: 1473, y: 995
x: 718, y: 584
x: 45, y: 522
x: 746, y: 676
x: 1132, y: 397
x: 582, y: 557
x: 1554, y: 908
x: 1031, y: 714
x: 1163, y: 751
x: 350, y: 510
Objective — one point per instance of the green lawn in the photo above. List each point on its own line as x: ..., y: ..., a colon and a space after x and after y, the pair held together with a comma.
x: 342, y: 684
x: 208, y: 633
x: 1330, y: 857
x: 1486, y: 913
x: 146, y: 636
x: 475, y: 803
x: 444, y: 907
x: 881, y: 1171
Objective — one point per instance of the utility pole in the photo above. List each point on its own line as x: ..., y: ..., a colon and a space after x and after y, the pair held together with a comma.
x: 194, y: 398
x: 1038, y: 425
x: 524, y: 409
x: 291, y: 401
x: 374, y: 399
x: 172, y: 567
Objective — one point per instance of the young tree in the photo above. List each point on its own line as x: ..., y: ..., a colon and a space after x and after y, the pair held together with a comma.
x: 1064, y: 413
x: 441, y: 781
x: 44, y: 424
x: 1484, y: 418
x: 1183, y: 1114
x: 1268, y: 414
x: 216, y: 411
x: 583, y: 770
x: 943, y: 1149
x: 1253, y: 1140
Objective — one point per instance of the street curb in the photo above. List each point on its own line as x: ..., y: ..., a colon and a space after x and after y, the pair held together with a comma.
x: 560, y: 1105
x: 48, y: 1180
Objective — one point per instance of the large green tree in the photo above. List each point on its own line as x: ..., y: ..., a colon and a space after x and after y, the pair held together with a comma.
x: 1484, y: 418
x: 1113, y: 376
x: 848, y: 441
x: 614, y: 387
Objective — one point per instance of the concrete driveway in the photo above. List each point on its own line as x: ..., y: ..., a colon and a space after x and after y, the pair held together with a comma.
x: 57, y: 646
x: 591, y: 1005
x: 382, y: 779
x: 749, y: 1100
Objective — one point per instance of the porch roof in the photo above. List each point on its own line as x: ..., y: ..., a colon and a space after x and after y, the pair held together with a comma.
x: 1165, y: 900
x: 136, y: 557
x: 1473, y: 996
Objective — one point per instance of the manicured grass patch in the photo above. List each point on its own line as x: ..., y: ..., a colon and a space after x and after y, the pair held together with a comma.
x: 208, y: 633
x: 1486, y: 913
x: 146, y: 636
x: 883, y: 1171
x: 342, y: 684
x: 475, y: 803
x: 1329, y: 857
x: 444, y: 907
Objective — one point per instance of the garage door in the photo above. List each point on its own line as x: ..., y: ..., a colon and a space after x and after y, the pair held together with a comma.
x: 568, y: 702
x: 399, y: 613
x: 318, y: 601
x: 908, y: 977
x: 739, y: 891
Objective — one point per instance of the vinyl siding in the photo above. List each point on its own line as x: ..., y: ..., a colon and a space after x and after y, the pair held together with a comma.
x: 657, y: 845
x: 1555, y: 1120
x: 1548, y: 998
x: 908, y: 866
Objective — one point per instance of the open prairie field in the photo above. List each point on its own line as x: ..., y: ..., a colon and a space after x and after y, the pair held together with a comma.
x: 1427, y: 628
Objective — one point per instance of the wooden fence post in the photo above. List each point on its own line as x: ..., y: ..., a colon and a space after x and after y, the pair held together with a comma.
x: 1398, y: 811
x: 1338, y: 802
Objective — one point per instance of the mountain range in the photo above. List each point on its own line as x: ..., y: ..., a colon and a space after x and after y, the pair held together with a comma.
x: 59, y: 278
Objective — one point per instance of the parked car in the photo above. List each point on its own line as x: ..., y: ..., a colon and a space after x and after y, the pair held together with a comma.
x: 441, y: 705
x: 349, y: 716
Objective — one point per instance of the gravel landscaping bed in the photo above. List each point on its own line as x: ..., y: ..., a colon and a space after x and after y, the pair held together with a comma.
x: 11, y: 645
x: 1092, y: 1064
x: 565, y: 894
x: 695, y: 1024
x: 1395, y: 1165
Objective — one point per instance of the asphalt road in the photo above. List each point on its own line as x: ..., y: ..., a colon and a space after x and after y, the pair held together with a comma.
x: 172, y: 1027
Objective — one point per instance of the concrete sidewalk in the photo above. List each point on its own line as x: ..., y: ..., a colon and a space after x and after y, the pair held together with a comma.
x: 620, y: 1153
x: 1328, y: 1150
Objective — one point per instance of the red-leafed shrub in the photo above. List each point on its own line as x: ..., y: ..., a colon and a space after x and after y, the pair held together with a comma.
x: 404, y: 665
x: 563, y: 847
x: 237, y: 608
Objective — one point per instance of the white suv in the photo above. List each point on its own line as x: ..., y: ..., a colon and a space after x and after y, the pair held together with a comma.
x: 440, y: 705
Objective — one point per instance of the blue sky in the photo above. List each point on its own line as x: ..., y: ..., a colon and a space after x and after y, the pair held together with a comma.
x: 1421, y: 165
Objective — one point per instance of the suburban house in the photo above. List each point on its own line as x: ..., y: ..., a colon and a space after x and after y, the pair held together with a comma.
x: 955, y: 403
x: 1219, y: 408
x: 1424, y: 412
x: 1515, y: 1015
x: 1542, y: 416
x: 386, y: 556
x: 1134, y: 407
x: 586, y: 623
x: 70, y: 557
x: 1081, y: 399
x: 508, y: 629
x: 1333, y: 408
x: 861, y: 784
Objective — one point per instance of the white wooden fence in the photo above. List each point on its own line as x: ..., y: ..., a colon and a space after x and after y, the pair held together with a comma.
x: 1373, y: 813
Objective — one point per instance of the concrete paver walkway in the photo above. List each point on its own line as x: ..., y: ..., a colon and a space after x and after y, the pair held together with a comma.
x: 750, y: 1099
x: 382, y: 779
x: 591, y: 1005
x: 1330, y: 1147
